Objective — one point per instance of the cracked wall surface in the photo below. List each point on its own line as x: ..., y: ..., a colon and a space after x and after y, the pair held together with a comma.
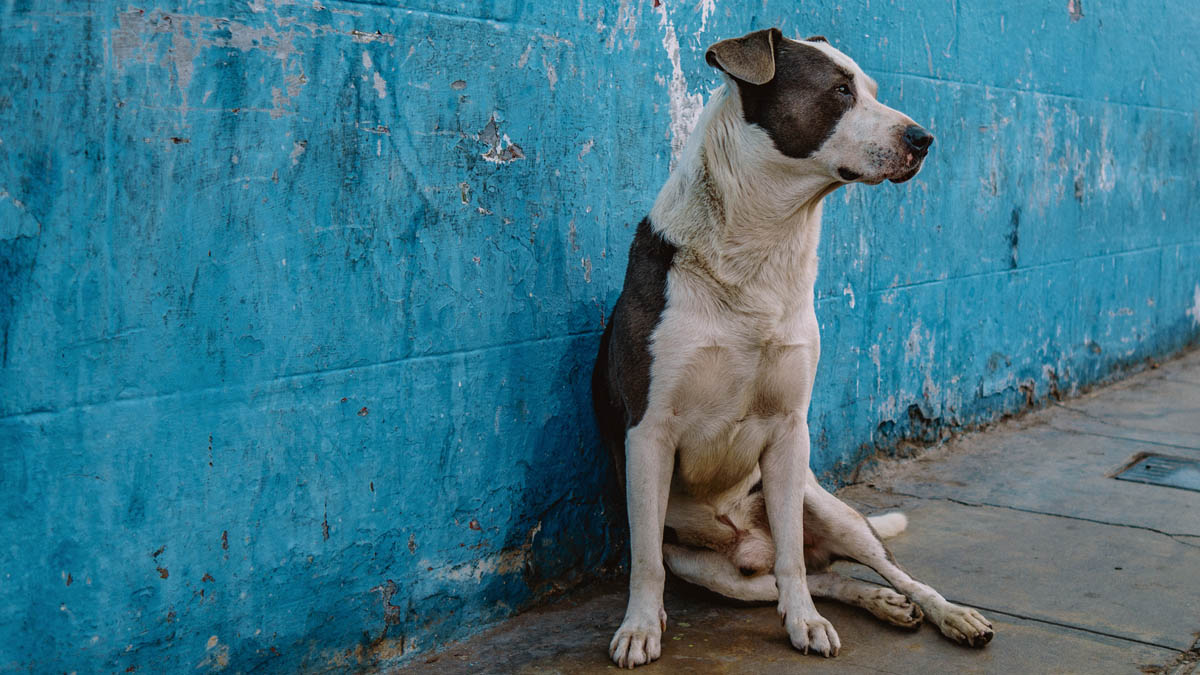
x: 300, y: 298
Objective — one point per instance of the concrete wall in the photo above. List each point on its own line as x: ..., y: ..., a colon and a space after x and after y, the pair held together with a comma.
x: 299, y: 298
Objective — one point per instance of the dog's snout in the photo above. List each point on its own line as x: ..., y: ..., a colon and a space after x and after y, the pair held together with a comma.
x: 918, y: 139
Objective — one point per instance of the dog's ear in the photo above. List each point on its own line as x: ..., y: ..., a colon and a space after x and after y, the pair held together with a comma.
x: 750, y: 58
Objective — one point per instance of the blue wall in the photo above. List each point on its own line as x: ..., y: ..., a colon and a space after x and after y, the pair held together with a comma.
x: 300, y: 298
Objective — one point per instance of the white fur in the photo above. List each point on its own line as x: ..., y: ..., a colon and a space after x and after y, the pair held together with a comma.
x: 889, y: 524
x: 713, y: 571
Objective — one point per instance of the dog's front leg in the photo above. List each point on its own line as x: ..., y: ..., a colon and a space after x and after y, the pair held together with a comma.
x: 649, y: 461
x: 784, y: 470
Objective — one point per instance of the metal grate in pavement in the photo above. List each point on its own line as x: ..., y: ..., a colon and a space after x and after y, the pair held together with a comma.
x: 1164, y: 470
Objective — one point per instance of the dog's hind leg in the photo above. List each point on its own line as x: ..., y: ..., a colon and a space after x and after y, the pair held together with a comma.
x: 715, y: 572
x: 883, y: 602
x: 845, y: 533
x: 711, y: 570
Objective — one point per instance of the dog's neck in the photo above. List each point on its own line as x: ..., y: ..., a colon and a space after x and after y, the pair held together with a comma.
x: 733, y: 204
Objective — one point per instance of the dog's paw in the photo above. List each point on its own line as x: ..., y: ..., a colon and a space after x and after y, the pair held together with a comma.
x: 639, y: 639
x: 965, y: 626
x: 894, y: 608
x: 812, y: 633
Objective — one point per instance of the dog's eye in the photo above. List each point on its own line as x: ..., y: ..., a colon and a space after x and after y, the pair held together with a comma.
x: 844, y: 89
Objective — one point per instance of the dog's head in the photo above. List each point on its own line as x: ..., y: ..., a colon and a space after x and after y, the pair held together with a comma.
x: 819, y: 108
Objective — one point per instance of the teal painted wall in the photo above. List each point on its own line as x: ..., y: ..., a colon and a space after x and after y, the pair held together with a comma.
x: 300, y: 298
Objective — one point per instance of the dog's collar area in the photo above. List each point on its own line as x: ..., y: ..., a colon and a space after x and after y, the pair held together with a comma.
x: 848, y: 175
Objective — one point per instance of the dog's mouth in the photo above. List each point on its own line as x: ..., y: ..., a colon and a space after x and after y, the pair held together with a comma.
x: 911, y: 167
x: 907, y: 174
x: 913, y: 159
x: 851, y: 176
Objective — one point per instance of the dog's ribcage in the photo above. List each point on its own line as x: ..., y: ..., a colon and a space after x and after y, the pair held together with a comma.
x: 723, y: 379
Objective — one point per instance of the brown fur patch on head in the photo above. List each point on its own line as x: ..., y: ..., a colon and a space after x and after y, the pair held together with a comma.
x: 800, y: 107
x: 750, y: 58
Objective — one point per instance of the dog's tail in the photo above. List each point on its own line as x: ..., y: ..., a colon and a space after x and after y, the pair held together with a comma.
x: 889, y: 524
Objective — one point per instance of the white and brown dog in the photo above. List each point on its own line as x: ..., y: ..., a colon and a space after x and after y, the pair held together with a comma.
x: 705, y: 370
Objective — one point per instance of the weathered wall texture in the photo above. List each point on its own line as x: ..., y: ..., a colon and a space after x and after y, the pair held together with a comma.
x: 299, y: 298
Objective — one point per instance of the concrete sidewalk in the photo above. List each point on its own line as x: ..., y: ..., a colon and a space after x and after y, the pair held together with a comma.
x: 1079, y: 572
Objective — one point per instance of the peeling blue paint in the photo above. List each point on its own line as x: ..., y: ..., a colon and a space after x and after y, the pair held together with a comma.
x: 300, y: 299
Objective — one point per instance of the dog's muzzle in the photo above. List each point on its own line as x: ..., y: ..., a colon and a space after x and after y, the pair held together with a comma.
x: 917, y: 140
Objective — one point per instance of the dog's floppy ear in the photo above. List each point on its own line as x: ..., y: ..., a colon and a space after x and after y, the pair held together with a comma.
x: 750, y: 58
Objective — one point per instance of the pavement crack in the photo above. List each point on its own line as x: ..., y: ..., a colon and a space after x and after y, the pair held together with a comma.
x: 1109, y: 422
x: 1183, y: 663
x: 1175, y: 536
x: 1071, y: 626
x: 1176, y: 380
x: 1103, y: 419
x: 1122, y: 438
x: 1051, y: 622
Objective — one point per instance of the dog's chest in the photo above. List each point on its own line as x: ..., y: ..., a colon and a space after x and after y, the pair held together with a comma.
x: 734, y: 385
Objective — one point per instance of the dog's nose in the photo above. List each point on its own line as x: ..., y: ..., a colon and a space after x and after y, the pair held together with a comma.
x: 747, y: 571
x: 918, y: 139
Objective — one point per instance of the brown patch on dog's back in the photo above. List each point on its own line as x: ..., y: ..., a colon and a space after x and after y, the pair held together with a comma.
x: 621, y: 379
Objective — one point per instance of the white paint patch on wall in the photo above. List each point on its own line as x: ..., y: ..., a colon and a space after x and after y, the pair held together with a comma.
x: 136, y: 40
x: 508, y: 561
x: 684, y: 107
x: 707, y: 7
x: 380, y: 85
x: 298, y: 148
x: 1194, y: 311
x: 912, y: 346
x: 551, y: 73
x: 626, y: 21
x: 525, y: 55
x: 1108, y: 163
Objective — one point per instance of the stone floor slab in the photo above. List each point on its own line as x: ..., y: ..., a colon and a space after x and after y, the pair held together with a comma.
x: 1049, y: 471
x: 708, y: 635
x: 1121, y: 581
x: 1159, y: 406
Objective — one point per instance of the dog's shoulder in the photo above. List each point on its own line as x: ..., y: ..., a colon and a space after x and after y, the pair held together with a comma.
x: 621, y: 379
x: 625, y: 357
x: 650, y: 258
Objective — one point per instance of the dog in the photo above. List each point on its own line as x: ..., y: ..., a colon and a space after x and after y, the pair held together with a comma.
x: 705, y: 370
